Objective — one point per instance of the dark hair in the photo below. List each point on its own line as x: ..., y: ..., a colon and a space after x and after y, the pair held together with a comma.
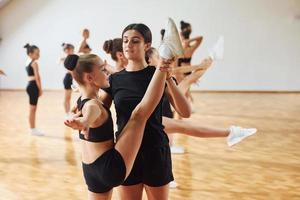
x: 142, y: 29
x: 71, y: 62
x: 185, y: 32
x: 30, y: 48
x: 85, y: 64
x: 149, y: 53
x: 112, y: 47
x: 162, y: 33
x: 67, y: 46
x: 184, y: 25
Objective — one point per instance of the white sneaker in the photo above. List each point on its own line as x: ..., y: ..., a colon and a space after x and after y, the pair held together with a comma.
x: 237, y: 134
x: 68, y: 115
x: 216, y: 53
x: 173, y: 184
x: 36, y: 132
x: 177, y: 150
x: 171, y: 44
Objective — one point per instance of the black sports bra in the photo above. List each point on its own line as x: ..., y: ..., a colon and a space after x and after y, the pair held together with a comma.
x: 184, y: 60
x: 99, y: 134
x: 29, y: 70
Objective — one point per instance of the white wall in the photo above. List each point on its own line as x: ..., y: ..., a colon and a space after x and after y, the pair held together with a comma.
x: 262, y: 38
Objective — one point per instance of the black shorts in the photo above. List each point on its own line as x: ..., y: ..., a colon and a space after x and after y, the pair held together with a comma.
x: 152, y: 167
x: 33, y: 92
x: 105, y: 172
x: 68, y: 80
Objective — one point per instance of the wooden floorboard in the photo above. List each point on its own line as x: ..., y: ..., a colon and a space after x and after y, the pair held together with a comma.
x: 264, y: 166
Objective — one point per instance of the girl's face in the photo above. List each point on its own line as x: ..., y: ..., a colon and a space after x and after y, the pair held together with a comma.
x: 86, y: 51
x: 35, y: 55
x: 134, y: 46
x: 86, y: 33
x: 154, y: 58
x: 98, y: 78
x: 69, y: 51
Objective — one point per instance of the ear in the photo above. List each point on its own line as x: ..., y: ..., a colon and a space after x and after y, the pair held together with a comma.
x: 88, y: 77
x: 119, y: 55
x: 147, y: 46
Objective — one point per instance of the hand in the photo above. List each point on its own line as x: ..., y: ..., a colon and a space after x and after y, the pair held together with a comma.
x: 75, y: 123
x: 169, y: 75
x: 164, y: 64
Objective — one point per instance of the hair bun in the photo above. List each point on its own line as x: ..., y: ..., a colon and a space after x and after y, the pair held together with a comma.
x: 71, y: 62
x: 184, y: 25
x: 63, y: 44
x: 108, y: 46
x: 26, y: 46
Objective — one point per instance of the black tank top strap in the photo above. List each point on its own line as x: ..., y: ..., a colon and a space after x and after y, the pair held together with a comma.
x: 29, y: 69
x: 81, y: 103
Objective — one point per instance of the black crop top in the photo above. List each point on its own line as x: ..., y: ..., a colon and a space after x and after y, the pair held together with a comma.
x: 99, y: 134
x: 184, y: 60
x: 29, y: 70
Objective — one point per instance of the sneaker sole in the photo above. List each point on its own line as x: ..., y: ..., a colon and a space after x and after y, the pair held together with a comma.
x: 240, y: 139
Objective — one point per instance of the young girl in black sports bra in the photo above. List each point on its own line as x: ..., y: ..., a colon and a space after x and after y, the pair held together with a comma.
x: 68, y: 79
x: 105, y: 164
x: 34, y: 87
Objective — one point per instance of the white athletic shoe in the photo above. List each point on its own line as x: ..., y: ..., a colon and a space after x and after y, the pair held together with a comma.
x: 237, y: 134
x: 173, y: 184
x: 68, y: 115
x: 36, y: 132
x: 171, y: 44
x: 216, y: 53
x: 177, y: 150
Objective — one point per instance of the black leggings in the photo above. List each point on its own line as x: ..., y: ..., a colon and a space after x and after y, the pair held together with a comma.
x: 106, y: 172
x: 33, y: 92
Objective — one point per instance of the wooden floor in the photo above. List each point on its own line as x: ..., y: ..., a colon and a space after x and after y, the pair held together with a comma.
x: 265, y: 166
